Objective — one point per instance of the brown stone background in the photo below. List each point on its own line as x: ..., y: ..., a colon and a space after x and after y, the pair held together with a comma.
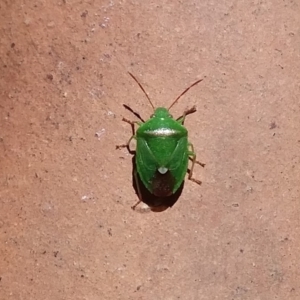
x: 66, y: 227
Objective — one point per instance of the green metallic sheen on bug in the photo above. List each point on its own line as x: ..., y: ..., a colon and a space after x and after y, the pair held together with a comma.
x: 162, y: 150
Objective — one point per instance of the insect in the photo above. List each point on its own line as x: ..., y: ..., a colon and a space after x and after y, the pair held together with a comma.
x: 162, y: 149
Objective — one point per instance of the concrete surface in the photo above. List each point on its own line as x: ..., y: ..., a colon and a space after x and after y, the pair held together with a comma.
x: 66, y: 227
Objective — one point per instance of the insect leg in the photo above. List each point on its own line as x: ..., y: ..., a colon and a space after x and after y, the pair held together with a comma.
x: 134, y: 112
x: 192, y: 157
x: 132, y: 124
x: 133, y: 134
x: 185, y: 113
x: 138, y: 190
x: 127, y: 144
x: 191, y: 152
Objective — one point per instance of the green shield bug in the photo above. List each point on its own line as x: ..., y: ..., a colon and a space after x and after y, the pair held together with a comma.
x: 162, y: 149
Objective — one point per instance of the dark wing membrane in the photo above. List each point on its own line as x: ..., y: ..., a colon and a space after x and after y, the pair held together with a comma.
x: 163, y: 184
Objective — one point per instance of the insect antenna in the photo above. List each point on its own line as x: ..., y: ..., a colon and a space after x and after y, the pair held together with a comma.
x: 134, y: 112
x: 184, y: 92
x: 142, y: 90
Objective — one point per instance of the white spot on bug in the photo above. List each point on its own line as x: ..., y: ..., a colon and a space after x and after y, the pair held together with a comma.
x: 162, y: 132
x: 163, y: 170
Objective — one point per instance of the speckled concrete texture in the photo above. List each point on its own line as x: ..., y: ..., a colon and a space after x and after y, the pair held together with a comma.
x: 67, y: 230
